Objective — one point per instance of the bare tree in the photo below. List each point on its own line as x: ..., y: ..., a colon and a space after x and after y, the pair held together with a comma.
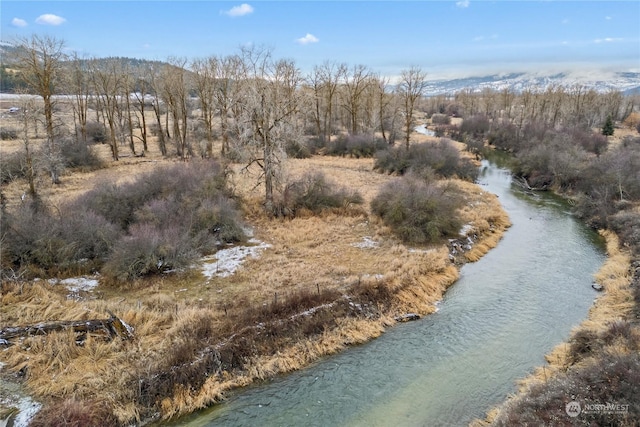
x: 354, y: 85
x: 142, y: 93
x: 411, y: 88
x: 107, y: 77
x: 325, y: 82
x: 204, y: 72
x: 175, y: 93
x: 79, y: 86
x: 270, y: 109
x: 40, y: 61
x: 28, y: 112
x: 227, y: 96
x: 152, y: 76
x: 388, y: 111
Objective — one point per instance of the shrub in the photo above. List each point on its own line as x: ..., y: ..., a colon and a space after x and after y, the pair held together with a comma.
x: 476, y: 126
x: 552, y: 163
x: 314, y: 193
x: 611, y: 379
x: 74, y: 413
x: 355, y: 146
x: 442, y: 157
x: 626, y: 224
x: 163, y: 221
x: 12, y: 167
x: 79, y: 155
x: 7, y: 134
x: 96, y: 132
x: 75, y: 240
x: 589, y: 141
x: 504, y: 136
x: 419, y: 212
x: 148, y: 250
x: 219, y: 218
x: 440, y: 119
x: 296, y: 149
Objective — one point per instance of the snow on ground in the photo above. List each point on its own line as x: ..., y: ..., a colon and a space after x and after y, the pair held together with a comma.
x: 367, y: 242
x: 465, y: 229
x: 12, y: 397
x: 28, y: 409
x: 75, y: 285
x: 225, y: 262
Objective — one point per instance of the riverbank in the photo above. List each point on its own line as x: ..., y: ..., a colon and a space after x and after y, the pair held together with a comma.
x: 320, y: 284
x: 598, y: 365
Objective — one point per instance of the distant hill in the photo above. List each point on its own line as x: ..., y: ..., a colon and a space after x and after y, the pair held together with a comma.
x: 626, y: 82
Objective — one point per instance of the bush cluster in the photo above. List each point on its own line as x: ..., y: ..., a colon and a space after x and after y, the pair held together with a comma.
x: 96, y: 132
x: 476, y: 126
x: 162, y: 221
x: 440, y: 119
x: 610, y: 379
x: 75, y: 413
x: 355, y: 146
x: 443, y: 158
x: 7, y: 134
x: 313, y: 192
x: 297, y: 149
x: 418, y: 211
x: 78, y: 155
x: 12, y: 167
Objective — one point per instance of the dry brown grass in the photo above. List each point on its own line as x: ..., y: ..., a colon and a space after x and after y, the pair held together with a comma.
x: 308, y: 255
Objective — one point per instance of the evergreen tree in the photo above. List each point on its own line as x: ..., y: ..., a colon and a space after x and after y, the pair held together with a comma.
x: 607, y: 129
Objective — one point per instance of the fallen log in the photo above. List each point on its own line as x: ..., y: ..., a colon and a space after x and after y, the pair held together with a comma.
x: 409, y: 317
x: 111, y: 328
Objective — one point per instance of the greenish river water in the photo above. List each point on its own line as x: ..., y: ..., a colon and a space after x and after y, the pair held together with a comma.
x: 494, y: 326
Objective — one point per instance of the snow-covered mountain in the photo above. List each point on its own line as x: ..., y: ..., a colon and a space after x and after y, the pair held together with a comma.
x: 626, y: 82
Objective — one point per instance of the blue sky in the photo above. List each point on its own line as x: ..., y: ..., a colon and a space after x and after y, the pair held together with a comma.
x: 445, y: 38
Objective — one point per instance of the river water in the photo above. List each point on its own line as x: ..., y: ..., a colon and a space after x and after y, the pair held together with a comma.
x: 494, y: 326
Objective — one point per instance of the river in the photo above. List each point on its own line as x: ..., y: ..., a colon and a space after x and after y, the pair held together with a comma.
x: 494, y: 325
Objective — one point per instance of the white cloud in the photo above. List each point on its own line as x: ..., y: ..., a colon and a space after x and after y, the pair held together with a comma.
x: 17, y: 22
x: 480, y: 38
x: 608, y: 40
x: 608, y: 18
x: 565, y: 21
x: 243, y: 9
x: 309, y: 38
x: 462, y: 3
x: 50, y: 19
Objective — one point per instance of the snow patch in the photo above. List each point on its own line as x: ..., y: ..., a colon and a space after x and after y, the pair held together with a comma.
x: 225, y: 262
x: 465, y: 229
x: 75, y: 285
x: 367, y: 242
x: 27, y: 409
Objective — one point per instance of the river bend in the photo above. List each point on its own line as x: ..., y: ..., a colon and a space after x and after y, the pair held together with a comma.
x: 494, y: 326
